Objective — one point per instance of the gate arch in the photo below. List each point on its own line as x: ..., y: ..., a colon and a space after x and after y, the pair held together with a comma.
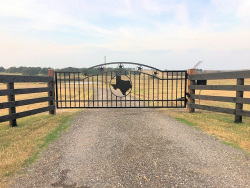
x: 136, y: 86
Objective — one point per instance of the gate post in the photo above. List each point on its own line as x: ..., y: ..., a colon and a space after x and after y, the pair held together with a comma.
x: 11, y: 98
x: 51, y: 93
x: 191, y: 91
x: 239, y: 106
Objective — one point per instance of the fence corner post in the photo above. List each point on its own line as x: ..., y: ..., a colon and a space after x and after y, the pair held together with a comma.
x: 238, y: 106
x: 11, y: 98
x: 191, y: 91
x: 51, y: 93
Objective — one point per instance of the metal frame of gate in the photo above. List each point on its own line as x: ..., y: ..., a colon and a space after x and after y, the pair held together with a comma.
x: 141, y: 87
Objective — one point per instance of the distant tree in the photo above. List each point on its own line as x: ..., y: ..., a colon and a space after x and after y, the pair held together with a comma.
x: 69, y: 69
x: 31, y: 71
x: 44, y: 71
x: 15, y: 69
x: 20, y: 69
x: 28, y: 71
x: 2, y: 69
x: 11, y: 70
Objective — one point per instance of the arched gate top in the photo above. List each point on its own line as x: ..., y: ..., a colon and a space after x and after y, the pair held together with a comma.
x: 122, y: 63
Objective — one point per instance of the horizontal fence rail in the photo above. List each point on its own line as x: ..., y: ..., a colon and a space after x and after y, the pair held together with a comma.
x: 17, y: 78
x: 220, y: 109
x: 221, y: 75
x: 25, y: 91
x: 221, y: 87
x: 11, y: 92
x: 24, y: 114
x: 25, y: 102
x: 240, y: 88
x: 222, y: 99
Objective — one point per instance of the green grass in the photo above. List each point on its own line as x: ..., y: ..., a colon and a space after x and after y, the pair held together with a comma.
x: 231, y: 144
x: 185, y: 121
x: 44, y: 142
x: 235, y: 146
x: 56, y: 133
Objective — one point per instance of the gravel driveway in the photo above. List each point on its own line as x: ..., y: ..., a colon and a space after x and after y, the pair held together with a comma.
x: 136, y: 148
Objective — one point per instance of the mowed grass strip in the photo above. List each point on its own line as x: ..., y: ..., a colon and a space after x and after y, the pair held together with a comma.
x: 219, y: 125
x: 21, y: 145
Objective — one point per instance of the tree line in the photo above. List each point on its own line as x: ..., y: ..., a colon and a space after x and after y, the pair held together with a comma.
x: 33, y: 71
x: 27, y: 71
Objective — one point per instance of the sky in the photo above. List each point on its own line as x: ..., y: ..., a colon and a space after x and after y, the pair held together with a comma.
x: 166, y: 34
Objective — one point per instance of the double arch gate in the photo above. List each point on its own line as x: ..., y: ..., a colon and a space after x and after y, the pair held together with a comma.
x: 119, y: 87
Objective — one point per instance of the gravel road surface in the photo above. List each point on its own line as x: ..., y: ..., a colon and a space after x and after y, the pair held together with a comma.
x: 135, y: 148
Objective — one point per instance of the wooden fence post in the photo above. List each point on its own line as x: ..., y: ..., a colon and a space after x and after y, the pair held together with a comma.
x: 239, y: 106
x: 51, y: 93
x: 12, y: 110
x: 191, y: 91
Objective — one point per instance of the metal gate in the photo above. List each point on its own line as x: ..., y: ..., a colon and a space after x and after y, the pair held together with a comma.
x: 139, y: 86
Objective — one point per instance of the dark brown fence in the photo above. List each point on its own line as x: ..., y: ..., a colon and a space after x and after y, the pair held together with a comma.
x: 239, y: 88
x: 10, y: 80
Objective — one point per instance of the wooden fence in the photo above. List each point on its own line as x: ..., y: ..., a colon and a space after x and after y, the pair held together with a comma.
x: 10, y: 80
x: 238, y: 99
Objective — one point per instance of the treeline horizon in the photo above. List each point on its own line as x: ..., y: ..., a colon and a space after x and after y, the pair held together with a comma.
x: 33, y: 71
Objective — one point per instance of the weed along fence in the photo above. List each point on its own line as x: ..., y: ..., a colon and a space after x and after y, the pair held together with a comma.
x: 199, y: 82
x: 39, y: 90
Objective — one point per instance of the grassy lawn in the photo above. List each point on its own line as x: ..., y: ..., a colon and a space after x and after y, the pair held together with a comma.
x: 21, y: 145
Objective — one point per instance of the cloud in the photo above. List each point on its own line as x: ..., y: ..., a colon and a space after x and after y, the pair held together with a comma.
x: 237, y: 9
x: 182, y: 14
x: 243, y: 10
x: 226, y: 6
x: 61, y: 31
x: 181, y: 39
x: 44, y: 18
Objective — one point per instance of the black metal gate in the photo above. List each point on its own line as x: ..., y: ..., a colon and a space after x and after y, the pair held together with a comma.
x: 139, y: 87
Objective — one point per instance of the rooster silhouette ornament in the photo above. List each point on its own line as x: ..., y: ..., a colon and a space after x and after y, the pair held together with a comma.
x: 123, y: 85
